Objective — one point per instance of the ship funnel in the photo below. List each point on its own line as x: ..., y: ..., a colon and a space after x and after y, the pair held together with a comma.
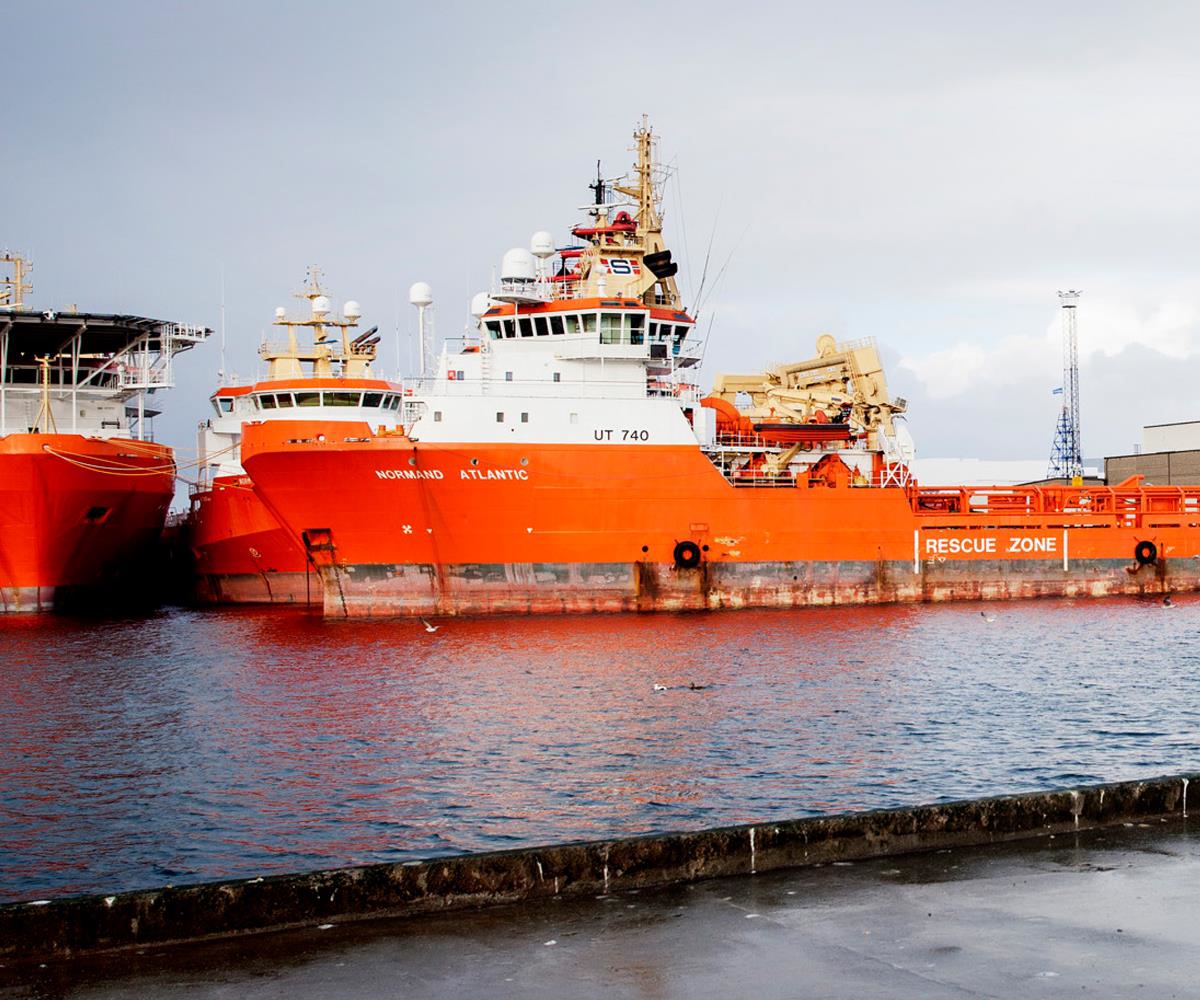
x: 542, y: 244
x: 420, y: 294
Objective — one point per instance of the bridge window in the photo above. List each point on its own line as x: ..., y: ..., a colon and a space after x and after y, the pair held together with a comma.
x: 610, y: 328
x: 556, y: 325
x: 499, y: 416
x: 226, y: 405
x: 508, y: 376
x: 372, y: 398
x: 524, y: 418
x: 308, y: 399
x: 437, y: 416
x: 635, y: 327
x: 283, y: 399
x: 539, y: 323
x: 571, y: 323
x: 558, y: 376
x: 266, y: 401
x: 526, y: 326
x: 493, y: 328
x: 341, y: 398
x: 589, y: 322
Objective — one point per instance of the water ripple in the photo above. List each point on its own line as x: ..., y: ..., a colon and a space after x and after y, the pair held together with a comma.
x: 194, y: 745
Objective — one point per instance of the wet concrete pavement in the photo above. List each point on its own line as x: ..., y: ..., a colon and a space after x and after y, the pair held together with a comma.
x: 1112, y: 913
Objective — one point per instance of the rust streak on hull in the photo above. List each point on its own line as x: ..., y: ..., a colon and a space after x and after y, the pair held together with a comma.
x: 481, y: 589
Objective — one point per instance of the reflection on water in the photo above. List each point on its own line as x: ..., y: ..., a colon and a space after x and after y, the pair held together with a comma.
x: 194, y: 745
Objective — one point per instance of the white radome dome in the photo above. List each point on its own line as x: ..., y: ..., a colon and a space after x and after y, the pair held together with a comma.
x: 542, y: 244
x: 352, y: 310
x: 517, y: 265
x: 280, y: 313
x: 320, y: 306
x: 480, y: 303
x: 420, y: 294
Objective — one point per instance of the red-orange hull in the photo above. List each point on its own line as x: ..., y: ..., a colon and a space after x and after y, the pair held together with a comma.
x: 77, y: 515
x: 402, y: 527
x: 243, y: 555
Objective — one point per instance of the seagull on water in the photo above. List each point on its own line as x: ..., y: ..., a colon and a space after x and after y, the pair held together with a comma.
x: 660, y: 687
x: 428, y: 627
x: 1167, y: 602
x: 986, y: 617
x: 696, y: 687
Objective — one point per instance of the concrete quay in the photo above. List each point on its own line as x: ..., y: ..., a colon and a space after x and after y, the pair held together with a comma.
x: 1107, y: 912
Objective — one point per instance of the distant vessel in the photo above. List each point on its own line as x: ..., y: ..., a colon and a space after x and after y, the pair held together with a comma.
x: 242, y: 553
x: 568, y: 462
x: 83, y: 492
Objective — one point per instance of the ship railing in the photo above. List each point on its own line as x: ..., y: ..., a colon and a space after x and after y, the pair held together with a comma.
x: 90, y: 376
x: 1124, y: 504
x: 143, y: 377
x: 733, y: 468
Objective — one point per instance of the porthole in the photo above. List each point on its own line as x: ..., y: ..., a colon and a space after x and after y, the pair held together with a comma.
x: 474, y: 461
x: 645, y: 548
x: 524, y: 461
x: 412, y: 461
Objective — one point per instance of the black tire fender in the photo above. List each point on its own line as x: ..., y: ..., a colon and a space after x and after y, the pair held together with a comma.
x: 1146, y: 553
x: 687, y: 555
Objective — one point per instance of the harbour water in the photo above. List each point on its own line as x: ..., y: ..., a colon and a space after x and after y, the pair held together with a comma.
x: 191, y: 745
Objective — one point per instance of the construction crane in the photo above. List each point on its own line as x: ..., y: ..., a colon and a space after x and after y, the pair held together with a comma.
x: 1066, y: 461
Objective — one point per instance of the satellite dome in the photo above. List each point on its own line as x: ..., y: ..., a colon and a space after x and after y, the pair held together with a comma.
x: 480, y: 304
x: 280, y: 313
x: 517, y: 265
x: 542, y: 244
x: 352, y: 310
x: 320, y: 306
x: 420, y: 294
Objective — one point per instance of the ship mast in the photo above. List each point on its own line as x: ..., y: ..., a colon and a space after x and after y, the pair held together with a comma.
x: 13, y: 289
x: 649, y: 222
x: 287, y: 361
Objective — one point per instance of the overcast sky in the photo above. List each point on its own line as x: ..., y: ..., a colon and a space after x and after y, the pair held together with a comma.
x: 927, y: 174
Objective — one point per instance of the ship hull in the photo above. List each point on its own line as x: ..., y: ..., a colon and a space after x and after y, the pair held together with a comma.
x: 397, y: 527
x: 80, y: 519
x: 242, y: 553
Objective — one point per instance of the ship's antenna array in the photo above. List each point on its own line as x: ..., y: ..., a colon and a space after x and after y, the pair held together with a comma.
x: 1066, y: 461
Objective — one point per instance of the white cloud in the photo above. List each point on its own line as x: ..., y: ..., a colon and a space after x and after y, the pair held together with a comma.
x: 1105, y: 327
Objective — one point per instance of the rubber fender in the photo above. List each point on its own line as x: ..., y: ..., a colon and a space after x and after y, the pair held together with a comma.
x: 1146, y: 553
x: 687, y: 555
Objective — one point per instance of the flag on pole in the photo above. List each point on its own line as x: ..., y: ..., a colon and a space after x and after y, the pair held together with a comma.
x: 1056, y: 392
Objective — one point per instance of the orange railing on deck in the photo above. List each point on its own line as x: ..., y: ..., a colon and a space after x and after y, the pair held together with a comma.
x: 1122, y: 503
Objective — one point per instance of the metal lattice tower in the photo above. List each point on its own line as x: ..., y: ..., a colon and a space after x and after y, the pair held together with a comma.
x: 1066, y: 460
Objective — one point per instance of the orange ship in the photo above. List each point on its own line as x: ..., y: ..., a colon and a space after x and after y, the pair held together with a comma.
x: 568, y: 462
x: 242, y: 553
x: 83, y: 495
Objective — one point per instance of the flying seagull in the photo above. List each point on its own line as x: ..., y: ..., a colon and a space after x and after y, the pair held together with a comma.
x: 428, y: 627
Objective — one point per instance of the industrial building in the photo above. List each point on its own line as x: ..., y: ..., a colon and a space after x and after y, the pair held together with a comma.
x: 1169, y: 456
